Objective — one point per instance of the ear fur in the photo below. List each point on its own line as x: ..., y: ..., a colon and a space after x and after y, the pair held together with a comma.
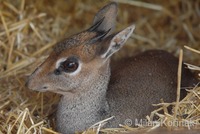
x: 108, y: 13
x: 117, y: 41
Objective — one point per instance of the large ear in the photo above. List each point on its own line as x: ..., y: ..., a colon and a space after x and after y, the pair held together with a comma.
x: 105, y: 18
x: 117, y: 41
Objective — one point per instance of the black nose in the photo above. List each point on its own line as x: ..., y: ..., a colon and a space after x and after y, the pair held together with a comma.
x: 28, y: 85
x: 27, y: 82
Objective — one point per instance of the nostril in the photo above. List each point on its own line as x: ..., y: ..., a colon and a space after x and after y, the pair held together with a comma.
x: 45, y: 87
x: 26, y: 84
x: 27, y: 81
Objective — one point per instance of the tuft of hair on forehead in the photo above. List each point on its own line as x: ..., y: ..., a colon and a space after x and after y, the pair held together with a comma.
x: 86, y: 38
x: 103, y: 25
x: 74, y: 41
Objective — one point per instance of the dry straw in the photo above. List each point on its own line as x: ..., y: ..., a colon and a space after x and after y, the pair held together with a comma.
x: 29, y: 29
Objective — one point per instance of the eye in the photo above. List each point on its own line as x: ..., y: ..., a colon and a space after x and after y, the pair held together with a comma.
x: 69, y: 65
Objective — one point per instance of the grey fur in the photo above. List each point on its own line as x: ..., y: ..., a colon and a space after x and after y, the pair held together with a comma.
x: 83, y: 110
x: 138, y: 82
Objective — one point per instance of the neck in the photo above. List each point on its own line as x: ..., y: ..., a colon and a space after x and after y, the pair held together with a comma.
x: 81, y: 110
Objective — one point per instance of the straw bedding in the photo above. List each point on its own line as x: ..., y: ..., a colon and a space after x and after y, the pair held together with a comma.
x: 29, y: 29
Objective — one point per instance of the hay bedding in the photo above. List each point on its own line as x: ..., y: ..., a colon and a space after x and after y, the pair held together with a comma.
x: 28, y: 30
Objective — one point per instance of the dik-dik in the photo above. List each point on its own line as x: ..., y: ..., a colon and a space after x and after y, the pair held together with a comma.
x: 93, y: 88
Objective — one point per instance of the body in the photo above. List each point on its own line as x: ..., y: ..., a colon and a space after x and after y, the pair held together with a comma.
x: 137, y: 85
x: 130, y: 93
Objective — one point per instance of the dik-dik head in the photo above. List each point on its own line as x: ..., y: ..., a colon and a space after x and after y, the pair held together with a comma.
x: 81, y: 57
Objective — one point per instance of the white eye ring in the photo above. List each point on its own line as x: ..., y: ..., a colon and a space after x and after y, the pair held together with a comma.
x: 60, y: 61
x: 73, y: 73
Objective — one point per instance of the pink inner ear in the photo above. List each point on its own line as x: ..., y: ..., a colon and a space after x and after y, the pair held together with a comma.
x: 117, y: 39
x: 123, y: 35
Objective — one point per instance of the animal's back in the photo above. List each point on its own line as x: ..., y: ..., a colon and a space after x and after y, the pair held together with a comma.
x: 140, y: 81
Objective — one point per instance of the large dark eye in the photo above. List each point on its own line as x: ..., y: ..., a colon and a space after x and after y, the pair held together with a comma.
x: 70, y: 65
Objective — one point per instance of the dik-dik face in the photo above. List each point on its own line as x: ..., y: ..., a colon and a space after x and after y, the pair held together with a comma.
x: 81, y: 57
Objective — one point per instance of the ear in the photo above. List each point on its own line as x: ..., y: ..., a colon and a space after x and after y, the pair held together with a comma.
x: 117, y: 41
x: 107, y: 16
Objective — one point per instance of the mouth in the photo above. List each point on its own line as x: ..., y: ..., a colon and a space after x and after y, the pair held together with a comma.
x: 45, y: 89
x: 58, y: 90
x: 39, y: 90
x: 62, y: 91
